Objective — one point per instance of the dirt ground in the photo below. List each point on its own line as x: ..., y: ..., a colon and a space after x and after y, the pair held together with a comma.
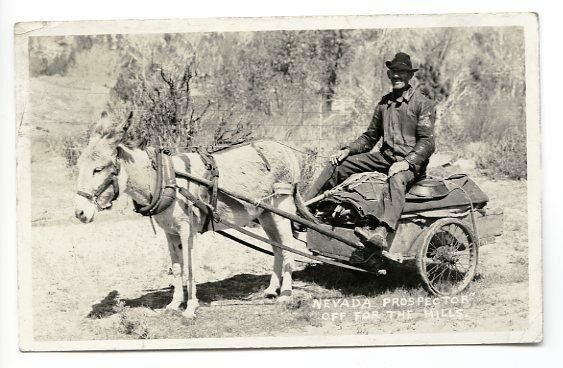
x: 110, y: 279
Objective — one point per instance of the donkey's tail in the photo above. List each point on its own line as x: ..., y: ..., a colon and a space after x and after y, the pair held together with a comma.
x: 295, y: 168
x: 302, y: 209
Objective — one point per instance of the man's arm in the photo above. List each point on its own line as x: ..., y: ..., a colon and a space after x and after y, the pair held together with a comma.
x: 370, y: 137
x: 425, y: 144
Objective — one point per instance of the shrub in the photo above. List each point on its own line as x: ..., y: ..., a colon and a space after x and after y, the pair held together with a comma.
x: 129, y: 326
x: 309, y: 165
x: 72, y: 148
x: 170, y: 115
x: 505, y: 155
x: 58, y: 64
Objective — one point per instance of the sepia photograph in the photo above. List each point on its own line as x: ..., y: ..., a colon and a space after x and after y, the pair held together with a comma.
x: 278, y: 182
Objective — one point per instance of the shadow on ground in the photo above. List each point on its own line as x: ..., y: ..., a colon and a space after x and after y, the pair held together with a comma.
x: 247, y: 286
x: 354, y: 283
x: 238, y: 287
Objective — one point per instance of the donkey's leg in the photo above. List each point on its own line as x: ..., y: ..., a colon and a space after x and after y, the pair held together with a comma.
x: 279, y: 229
x: 268, y: 224
x: 174, y: 244
x: 285, y: 203
x: 187, y: 237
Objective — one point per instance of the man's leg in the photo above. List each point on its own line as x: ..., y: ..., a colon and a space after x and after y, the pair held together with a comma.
x: 394, y: 197
x: 393, y: 204
x: 332, y: 175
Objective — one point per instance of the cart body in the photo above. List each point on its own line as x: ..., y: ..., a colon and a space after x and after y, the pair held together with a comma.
x: 440, y: 235
x: 406, y: 241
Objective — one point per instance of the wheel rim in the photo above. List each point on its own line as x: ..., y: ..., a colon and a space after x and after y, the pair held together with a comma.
x: 450, y: 258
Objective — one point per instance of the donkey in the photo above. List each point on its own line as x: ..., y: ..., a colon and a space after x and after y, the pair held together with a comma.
x: 109, y: 163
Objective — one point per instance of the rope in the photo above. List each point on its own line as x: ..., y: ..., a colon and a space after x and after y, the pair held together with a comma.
x: 260, y: 200
x: 300, y: 151
x: 472, y: 209
x: 152, y: 224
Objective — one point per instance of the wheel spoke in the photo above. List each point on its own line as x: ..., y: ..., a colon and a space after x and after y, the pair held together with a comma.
x: 463, y: 254
x: 448, y: 278
x: 457, y: 244
x: 460, y: 271
x: 435, y: 267
x: 448, y: 258
x: 463, y: 269
x: 439, y: 276
x: 457, y: 275
x: 435, y: 272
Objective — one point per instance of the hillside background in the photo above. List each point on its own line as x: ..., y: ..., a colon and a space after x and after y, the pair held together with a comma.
x: 312, y: 90
x: 309, y: 90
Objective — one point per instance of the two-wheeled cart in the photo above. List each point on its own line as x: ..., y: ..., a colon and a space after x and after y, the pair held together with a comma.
x: 439, y: 235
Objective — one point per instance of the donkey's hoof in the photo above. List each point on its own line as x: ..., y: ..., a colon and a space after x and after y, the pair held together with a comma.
x: 285, y: 296
x: 189, y: 312
x: 283, y: 299
x: 172, y: 312
x: 189, y: 315
x: 270, y: 293
x: 173, y: 307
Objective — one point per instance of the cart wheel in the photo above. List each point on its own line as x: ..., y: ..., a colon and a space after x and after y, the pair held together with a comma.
x: 447, y: 257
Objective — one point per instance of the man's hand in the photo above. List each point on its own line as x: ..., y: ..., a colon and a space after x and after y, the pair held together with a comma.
x: 398, y: 167
x: 339, y: 156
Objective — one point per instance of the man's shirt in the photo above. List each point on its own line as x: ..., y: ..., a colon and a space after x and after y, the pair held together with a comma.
x: 405, y: 122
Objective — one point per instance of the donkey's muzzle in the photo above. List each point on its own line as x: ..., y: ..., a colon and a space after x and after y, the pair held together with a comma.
x: 81, y: 216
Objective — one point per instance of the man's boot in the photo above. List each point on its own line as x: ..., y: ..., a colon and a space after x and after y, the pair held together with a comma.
x: 376, y: 237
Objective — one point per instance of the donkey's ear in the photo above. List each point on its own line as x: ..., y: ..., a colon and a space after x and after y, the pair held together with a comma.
x: 102, y: 126
x: 143, y: 143
x: 127, y: 123
x: 123, y: 153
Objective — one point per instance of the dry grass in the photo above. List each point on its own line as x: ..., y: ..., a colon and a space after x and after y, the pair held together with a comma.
x: 123, y: 285
x: 90, y: 284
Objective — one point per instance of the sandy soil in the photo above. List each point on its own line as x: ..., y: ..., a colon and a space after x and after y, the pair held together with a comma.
x: 109, y: 279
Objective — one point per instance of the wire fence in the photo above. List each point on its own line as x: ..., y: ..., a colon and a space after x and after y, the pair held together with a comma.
x: 304, y: 125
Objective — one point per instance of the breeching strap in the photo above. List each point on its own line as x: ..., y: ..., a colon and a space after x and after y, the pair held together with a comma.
x: 211, y: 166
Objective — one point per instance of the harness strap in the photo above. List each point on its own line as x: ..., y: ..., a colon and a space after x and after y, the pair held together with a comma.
x: 292, y: 250
x: 165, y: 188
x: 277, y: 211
x: 111, y: 179
x: 150, y: 208
x: 201, y: 205
x: 211, y: 166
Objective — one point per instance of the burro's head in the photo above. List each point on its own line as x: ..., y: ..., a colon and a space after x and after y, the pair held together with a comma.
x: 99, y: 169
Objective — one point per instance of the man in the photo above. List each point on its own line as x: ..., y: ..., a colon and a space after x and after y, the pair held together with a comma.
x: 404, y: 120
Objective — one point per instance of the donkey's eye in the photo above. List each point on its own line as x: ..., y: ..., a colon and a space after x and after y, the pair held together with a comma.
x: 98, y: 169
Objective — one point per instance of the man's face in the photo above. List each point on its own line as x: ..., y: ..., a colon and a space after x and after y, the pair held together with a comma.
x: 399, y: 78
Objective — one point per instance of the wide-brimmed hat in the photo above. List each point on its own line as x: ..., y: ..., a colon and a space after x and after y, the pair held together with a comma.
x: 401, y: 62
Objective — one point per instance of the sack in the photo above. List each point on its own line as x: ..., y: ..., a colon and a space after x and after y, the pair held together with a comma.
x: 359, y: 199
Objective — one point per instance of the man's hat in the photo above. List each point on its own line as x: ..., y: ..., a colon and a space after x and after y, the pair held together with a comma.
x: 401, y: 62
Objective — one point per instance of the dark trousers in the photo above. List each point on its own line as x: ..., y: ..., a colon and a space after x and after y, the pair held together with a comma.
x: 395, y: 190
